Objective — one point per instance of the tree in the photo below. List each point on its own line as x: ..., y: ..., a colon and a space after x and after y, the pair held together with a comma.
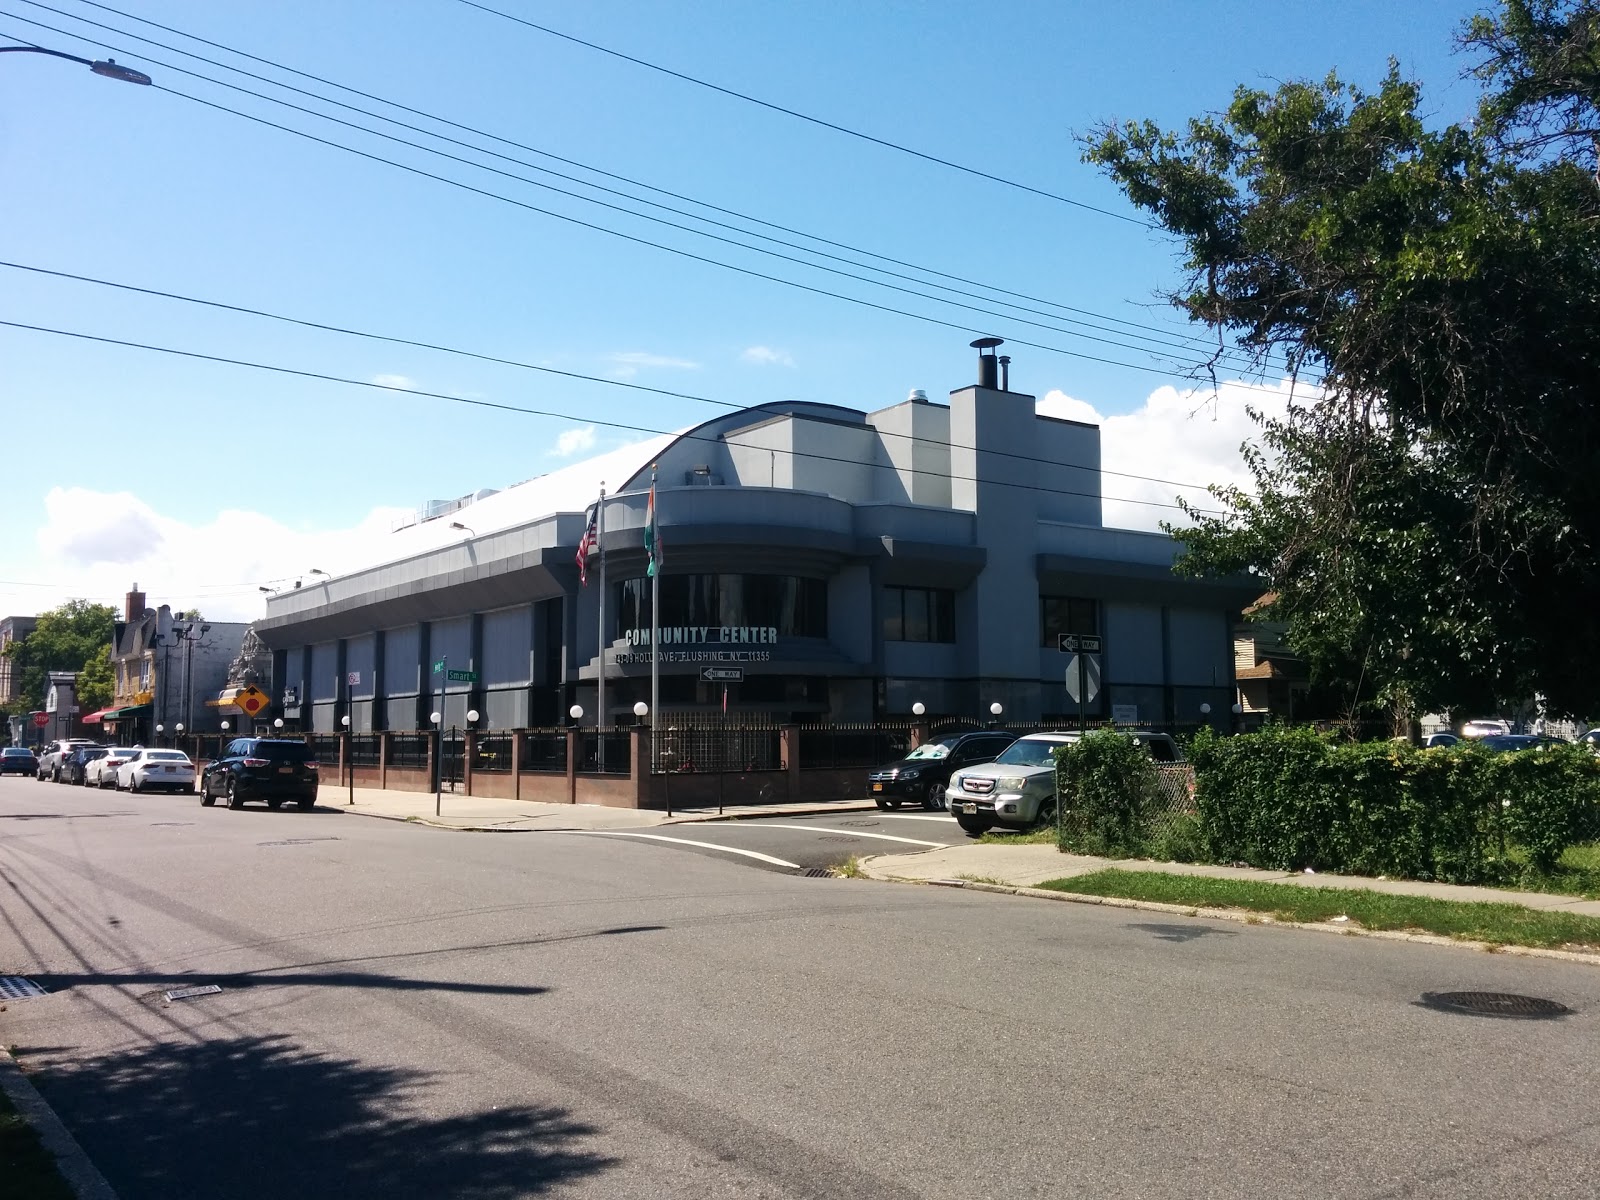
x: 96, y: 682
x: 1428, y: 514
x: 65, y: 639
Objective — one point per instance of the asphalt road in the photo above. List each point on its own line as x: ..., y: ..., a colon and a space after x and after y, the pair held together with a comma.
x: 411, y: 1012
x: 801, y: 842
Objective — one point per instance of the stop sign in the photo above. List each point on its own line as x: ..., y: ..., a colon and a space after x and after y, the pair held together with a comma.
x: 41, y: 719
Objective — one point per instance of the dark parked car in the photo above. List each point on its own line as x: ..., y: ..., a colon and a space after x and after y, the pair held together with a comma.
x: 1504, y: 742
x: 75, y: 766
x: 18, y: 760
x: 921, y: 776
x: 270, y: 769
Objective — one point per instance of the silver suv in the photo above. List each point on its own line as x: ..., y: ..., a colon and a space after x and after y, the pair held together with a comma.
x: 1018, y: 788
x: 52, y: 756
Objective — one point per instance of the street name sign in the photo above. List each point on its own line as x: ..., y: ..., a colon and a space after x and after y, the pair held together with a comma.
x: 721, y: 674
x: 461, y: 677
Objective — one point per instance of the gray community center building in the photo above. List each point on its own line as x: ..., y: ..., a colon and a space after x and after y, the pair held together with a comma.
x: 819, y: 563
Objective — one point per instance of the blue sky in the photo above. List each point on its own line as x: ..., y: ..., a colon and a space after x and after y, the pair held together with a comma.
x: 203, y: 481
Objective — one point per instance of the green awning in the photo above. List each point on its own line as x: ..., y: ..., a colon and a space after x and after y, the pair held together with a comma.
x: 112, y: 714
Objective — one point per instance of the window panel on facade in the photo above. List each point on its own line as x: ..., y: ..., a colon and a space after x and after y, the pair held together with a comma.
x: 919, y: 614
x: 795, y: 607
x: 1066, y: 614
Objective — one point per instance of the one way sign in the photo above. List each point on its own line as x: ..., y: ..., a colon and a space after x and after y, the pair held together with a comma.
x: 722, y: 674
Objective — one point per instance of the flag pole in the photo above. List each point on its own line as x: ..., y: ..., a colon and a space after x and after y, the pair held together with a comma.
x: 655, y: 628
x: 600, y: 701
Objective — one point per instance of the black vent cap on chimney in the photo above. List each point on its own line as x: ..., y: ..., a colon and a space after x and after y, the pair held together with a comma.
x: 988, y: 368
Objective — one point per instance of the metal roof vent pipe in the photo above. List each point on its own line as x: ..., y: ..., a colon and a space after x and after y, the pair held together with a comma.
x: 1005, y: 372
x: 988, y: 365
x: 918, y: 396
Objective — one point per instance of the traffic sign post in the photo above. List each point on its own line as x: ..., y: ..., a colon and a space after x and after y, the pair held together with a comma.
x: 1083, y: 671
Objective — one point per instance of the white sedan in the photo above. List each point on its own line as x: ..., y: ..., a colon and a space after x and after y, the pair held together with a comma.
x: 147, y: 769
x: 102, y: 772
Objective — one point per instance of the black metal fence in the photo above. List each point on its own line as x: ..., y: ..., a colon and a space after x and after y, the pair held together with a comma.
x: 833, y: 746
x: 618, y: 757
x: 713, y: 744
x: 409, y: 750
x: 491, y: 753
x: 364, y: 749
x: 544, y: 750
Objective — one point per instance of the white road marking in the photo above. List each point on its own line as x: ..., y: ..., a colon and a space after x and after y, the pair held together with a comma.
x: 883, y: 837
x: 657, y: 837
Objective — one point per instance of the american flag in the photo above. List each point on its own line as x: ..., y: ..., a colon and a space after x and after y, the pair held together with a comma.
x: 585, y: 546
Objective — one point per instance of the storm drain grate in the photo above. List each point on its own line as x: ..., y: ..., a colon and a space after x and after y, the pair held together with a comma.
x: 818, y: 872
x: 1494, y: 1004
x: 15, y: 987
x: 189, y: 993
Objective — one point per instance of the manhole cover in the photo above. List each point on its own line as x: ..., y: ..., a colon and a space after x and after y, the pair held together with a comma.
x: 1494, y: 1004
x: 15, y: 987
x: 818, y: 873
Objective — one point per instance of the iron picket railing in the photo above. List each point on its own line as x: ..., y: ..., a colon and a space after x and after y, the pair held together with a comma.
x: 491, y: 753
x: 867, y: 745
x: 544, y: 749
x: 409, y: 750
x: 695, y: 743
x: 364, y: 749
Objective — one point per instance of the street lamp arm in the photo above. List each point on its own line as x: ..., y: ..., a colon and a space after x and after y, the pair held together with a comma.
x: 109, y: 67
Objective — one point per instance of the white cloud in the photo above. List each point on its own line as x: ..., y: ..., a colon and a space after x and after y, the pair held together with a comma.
x: 1190, y: 436
x: 573, y: 441
x: 629, y: 363
x: 403, y: 382
x: 766, y: 356
x: 95, y: 545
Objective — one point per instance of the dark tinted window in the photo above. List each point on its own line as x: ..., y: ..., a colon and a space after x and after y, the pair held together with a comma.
x: 282, y: 752
x: 1066, y: 614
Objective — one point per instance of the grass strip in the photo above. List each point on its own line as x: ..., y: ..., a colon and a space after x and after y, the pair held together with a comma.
x: 1497, y: 924
x: 29, y: 1170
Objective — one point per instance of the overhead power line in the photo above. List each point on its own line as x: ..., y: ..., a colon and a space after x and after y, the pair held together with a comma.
x: 790, y: 112
x: 542, y: 153
x: 499, y: 406
x: 1221, y: 355
x: 391, y: 339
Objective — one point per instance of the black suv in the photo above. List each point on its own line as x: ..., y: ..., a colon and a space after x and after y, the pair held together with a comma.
x: 75, y: 766
x: 270, y: 769
x: 922, y: 775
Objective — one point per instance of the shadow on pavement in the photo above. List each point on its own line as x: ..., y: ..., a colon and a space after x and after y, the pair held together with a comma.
x: 260, y: 1117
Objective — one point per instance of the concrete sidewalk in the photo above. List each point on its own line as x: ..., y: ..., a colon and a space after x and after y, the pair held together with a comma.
x: 483, y: 814
x: 1031, y: 865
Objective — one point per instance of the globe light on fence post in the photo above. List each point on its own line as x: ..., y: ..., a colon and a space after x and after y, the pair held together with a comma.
x: 277, y: 722
x: 345, y: 720
x: 435, y: 717
x: 640, y: 711
x: 472, y: 716
x: 576, y: 712
x: 178, y: 728
x: 918, y: 708
x: 1205, y: 710
x: 996, y: 709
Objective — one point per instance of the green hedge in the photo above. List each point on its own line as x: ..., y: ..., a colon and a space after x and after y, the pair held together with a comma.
x: 1291, y: 798
x: 1108, y: 787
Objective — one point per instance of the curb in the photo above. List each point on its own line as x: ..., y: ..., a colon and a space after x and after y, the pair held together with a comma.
x: 686, y: 819
x: 80, y: 1173
x: 1242, y: 917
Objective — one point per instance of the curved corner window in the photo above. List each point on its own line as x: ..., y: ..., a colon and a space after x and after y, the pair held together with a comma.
x: 795, y: 607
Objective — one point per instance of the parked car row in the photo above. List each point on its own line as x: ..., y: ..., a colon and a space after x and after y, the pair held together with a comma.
x: 991, y: 778
x: 126, y: 768
x: 273, y: 770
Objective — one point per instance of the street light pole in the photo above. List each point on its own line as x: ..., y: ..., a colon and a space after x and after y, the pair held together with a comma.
x: 109, y: 67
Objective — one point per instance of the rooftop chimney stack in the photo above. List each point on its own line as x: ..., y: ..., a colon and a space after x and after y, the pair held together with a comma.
x: 133, y: 605
x: 1005, y: 372
x: 988, y: 365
